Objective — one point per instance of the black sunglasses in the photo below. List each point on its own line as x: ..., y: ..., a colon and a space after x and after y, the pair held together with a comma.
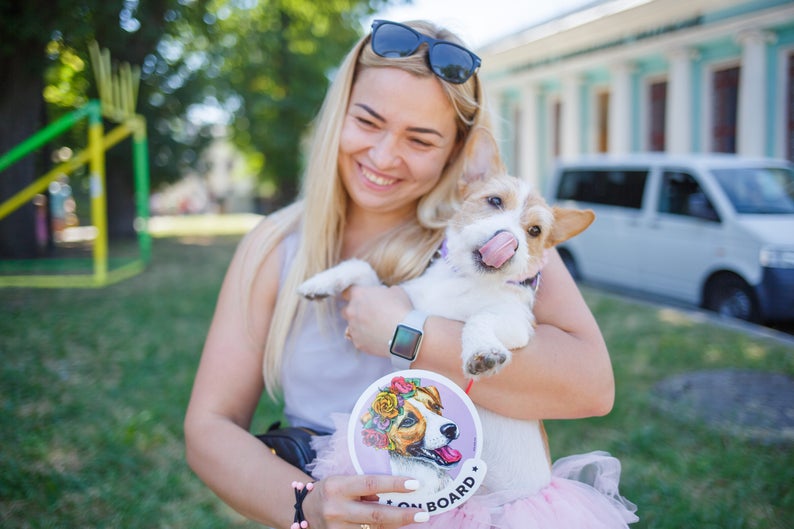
x: 449, y: 61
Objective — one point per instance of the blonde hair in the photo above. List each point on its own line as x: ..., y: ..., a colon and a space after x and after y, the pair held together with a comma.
x: 320, y: 212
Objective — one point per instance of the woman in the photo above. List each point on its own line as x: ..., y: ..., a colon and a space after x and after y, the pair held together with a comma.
x: 380, y: 184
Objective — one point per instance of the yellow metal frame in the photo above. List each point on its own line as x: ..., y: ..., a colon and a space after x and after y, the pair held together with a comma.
x: 118, y: 94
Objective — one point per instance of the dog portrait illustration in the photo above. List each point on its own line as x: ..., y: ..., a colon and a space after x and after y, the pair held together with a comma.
x: 407, y: 420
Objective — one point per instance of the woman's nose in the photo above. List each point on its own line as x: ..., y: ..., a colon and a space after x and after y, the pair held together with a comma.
x: 384, y: 153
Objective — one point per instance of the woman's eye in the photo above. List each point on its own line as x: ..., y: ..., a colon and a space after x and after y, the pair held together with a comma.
x: 495, y: 202
x: 365, y: 121
x: 534, y: 231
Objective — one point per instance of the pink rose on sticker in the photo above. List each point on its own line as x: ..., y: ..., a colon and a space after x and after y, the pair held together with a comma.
x: 400, y: 386
x: 374, y: 438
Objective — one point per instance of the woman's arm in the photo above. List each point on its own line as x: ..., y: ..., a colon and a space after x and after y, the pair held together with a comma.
x: 564, y: 372
x: 238, y: 467
x: 228, y: 385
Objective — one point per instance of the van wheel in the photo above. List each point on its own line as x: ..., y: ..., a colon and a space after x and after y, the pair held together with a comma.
x: 729, y: 295
x: 570, y: 264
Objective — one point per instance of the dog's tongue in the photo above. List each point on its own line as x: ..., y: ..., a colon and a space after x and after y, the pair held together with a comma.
x: 449, y: 455
x: 499, y: 249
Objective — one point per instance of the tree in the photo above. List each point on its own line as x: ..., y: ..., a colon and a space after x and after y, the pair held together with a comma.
x: 24, y: 26
x: 267, y: 65
x: 29, y: 31
x: 264, y: 63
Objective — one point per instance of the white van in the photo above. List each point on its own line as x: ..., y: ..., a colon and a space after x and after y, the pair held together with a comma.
x: 712, y: 230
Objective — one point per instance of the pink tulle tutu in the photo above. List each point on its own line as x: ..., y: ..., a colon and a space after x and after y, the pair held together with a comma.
x: 583, y: 493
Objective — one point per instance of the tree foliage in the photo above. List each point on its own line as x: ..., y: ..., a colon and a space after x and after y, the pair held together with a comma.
x: 271, y: 66
x: 261, y: 65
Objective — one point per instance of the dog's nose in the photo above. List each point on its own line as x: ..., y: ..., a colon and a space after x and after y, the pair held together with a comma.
x: 450, y: 431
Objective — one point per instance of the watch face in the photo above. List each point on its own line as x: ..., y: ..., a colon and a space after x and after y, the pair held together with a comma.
x: 405, y: 342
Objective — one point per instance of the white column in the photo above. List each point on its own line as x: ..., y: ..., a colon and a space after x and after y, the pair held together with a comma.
x: 619, y: 124
x: 528, y: 148
x: 571, y: 117
x: 751, y: 119
x: 678, y: 107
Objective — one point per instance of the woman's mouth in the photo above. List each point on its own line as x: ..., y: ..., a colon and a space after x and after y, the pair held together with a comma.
x: 377, y: 180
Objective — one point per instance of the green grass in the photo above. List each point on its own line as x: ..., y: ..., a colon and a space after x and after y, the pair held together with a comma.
x: 94, y: 384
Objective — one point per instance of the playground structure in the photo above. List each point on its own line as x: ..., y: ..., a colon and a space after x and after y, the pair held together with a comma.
x: 118, y: 95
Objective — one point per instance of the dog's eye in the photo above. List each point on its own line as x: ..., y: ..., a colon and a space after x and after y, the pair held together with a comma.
x: 495, y: 201
x: 408, y: 421
x: 534, y: 231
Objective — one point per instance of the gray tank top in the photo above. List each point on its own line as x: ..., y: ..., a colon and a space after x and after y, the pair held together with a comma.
x: 322, y: 372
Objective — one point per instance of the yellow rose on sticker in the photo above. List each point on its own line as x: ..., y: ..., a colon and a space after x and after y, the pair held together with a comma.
x: 386, y: 405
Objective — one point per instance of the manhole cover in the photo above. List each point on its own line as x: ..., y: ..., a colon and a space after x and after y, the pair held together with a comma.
x: 750, y: 404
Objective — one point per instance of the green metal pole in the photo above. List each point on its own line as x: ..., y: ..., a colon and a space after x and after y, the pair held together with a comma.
x: 141, y: 167
x: 54, y: 129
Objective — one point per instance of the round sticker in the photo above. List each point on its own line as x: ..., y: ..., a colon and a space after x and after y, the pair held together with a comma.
x: 421, y: 425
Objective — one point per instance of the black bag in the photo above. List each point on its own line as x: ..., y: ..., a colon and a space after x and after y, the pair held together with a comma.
x: 292, y: 444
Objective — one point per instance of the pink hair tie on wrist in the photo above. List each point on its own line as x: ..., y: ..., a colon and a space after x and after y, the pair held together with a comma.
x: 301, y: 491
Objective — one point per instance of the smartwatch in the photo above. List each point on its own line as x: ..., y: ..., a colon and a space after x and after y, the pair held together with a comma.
x: 404, y: 345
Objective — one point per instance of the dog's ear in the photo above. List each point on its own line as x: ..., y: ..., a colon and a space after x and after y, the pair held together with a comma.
x: 568, y: 222
x: 481, y: 158
x: 430, y: 392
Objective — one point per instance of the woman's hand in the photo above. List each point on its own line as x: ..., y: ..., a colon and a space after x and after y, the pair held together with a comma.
x: 372, y: 313
x: 345, y: 502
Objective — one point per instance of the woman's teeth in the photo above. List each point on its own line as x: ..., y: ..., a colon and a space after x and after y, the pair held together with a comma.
x: 377, y: 180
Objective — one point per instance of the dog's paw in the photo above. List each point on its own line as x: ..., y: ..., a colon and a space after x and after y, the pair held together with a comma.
x: 312, y: 296
x: 319, y: 286
x: 486, y: 362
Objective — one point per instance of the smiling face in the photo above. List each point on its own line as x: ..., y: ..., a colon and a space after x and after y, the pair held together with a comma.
x: 398, y: 134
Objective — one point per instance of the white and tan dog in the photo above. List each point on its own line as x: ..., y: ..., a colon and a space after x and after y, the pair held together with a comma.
x: 487, y: 279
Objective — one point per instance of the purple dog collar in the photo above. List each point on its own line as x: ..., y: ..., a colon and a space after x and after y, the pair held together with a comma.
x: 532, y: 282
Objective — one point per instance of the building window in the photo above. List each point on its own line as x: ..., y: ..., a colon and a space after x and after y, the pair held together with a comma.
x: 518, y: 138
x: 657, y: 98
x: 556, y: 118
x: 726, y: 100
x: 602, y: 116
x: 790, y: 108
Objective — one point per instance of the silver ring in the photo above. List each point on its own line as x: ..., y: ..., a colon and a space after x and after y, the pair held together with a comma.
x: 365, y: 526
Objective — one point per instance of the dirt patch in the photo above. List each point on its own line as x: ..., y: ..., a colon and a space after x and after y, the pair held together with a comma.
x: 751, y: 404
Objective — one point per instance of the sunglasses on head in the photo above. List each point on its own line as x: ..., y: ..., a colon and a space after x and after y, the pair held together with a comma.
x: 449, y: 61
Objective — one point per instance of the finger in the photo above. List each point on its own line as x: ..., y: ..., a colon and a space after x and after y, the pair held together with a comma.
x: 368, y: 510
x: 370, y: 485
x: 383, y: 516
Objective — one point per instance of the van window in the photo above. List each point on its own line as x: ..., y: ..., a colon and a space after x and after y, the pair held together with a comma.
x: 617, y: 187
x: 758, y: 190
x: 680, y: 194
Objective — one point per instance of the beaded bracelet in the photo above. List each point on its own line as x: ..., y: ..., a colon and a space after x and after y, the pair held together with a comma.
x: 301, y: 491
